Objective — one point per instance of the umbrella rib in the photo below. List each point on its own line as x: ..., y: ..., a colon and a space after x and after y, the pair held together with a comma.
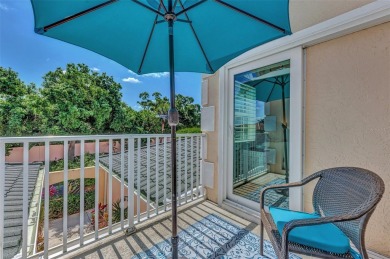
x: 174, y: 5
x: 162, y: 4
x: 197, y: 38
x: 252, y: 16
x: 269, y: 96
x: 148, y: 43
x: 149, y: 8
x: 77, y: 15
x: 189, y: 7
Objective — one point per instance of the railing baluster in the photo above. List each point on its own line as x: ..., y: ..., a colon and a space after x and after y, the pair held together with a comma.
x: 130, y: 182
x: 157, y: 172
x: 192, y: 168
x: 82, y: 187
x: 65, y: 213
x: 179, y: 172
x: 122, y: 182
x: 165, y: 173
x: 97, y: 151
x: 198, y: 139
x: 46, y: 205
x: 25, y: 199
x: 110, y: 186
x: 186, y: 144
x: 148, y: 177
x: 185, y: 167
x: 139, y: 180
x: 2, y: 191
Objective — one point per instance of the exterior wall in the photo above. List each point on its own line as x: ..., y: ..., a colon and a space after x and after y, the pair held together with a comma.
x: 305, y: 13
x: 37, y: 153
x: 212, y: 137
x: 58, y: 176
x: 348, y: 114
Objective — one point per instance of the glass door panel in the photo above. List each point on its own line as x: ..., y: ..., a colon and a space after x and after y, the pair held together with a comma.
x: 261, y: 132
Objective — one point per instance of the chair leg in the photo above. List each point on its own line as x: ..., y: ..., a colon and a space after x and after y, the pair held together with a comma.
x: 261, y: 238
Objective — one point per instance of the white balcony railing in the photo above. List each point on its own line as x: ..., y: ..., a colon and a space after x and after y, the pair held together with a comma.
x: 133, y: 168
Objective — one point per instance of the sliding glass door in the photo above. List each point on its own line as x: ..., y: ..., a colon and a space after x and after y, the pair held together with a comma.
x: 261, y: 119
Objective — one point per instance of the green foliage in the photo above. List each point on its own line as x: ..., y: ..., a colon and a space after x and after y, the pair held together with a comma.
x: 58, y: 165
x: 81, y: 100
x: 189, y: 113
x: 189, y: 130
x: 21, y: 108
x: 116, y: 212
x: 78, y: 100
x: 56, y: 205
x: 56, y: 202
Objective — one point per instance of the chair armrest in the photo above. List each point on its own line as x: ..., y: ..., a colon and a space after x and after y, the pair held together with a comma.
x: 309, y: 222
x: 287, y: 185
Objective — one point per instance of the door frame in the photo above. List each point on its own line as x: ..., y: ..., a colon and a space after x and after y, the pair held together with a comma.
x: 226, y: 92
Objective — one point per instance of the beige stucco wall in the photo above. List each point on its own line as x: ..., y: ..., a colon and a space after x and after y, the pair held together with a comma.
x: 348, y: 114
x: 305, y: 13
x: 212, y: 137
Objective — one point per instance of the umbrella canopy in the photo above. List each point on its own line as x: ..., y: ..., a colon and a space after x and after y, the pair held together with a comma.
x: 134, y: 33
x: 270, y: 87
x: 167, y: 35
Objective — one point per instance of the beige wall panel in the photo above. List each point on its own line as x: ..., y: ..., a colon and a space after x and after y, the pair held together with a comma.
x: 348, y: 114
x: 305, y: 13
x: 212, y: 137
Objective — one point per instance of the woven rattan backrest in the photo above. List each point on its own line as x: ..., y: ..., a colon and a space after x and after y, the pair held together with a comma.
x: 348, y: 191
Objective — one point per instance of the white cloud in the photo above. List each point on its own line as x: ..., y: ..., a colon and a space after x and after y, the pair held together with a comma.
x: 131, y: 80
x: 3, y: 7
x: 95, y: 69
x: 64, y: 71
x: 154, y: 75
x: 157, y: 75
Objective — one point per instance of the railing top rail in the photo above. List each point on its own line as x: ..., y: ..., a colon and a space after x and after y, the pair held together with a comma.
x: 7, y: 140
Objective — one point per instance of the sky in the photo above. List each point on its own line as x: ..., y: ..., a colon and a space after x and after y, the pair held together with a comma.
x: 32, y: 56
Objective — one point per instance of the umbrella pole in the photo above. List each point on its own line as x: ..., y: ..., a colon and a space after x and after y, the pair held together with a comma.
x: 173, y: 119
x: 284, y: 125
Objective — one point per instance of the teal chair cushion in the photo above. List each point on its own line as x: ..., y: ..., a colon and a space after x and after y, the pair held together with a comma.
x: 327, y: 237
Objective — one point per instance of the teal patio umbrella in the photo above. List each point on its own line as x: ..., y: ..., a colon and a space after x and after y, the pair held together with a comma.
x: 149, y: 36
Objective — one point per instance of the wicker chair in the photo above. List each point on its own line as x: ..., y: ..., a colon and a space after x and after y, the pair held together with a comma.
x: 345, y: 196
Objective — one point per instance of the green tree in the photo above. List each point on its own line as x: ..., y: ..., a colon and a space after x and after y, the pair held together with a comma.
x: 21, y: 108
x: 189, y: 112
x: 81, y: 101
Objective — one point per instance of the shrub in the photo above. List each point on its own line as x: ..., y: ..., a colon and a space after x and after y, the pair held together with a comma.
x: 189, y: 130
x: 56, y: 202
x: 58, y: 165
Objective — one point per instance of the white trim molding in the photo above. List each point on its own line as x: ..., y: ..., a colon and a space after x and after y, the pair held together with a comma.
x: 295, y: 56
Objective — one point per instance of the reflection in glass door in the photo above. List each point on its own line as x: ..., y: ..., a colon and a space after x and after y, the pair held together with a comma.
x: 261, y: 132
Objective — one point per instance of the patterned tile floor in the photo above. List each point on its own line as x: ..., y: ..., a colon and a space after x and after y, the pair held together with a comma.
x: 213, y: 237
x: 154, y: 232
x: 251, y: 190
